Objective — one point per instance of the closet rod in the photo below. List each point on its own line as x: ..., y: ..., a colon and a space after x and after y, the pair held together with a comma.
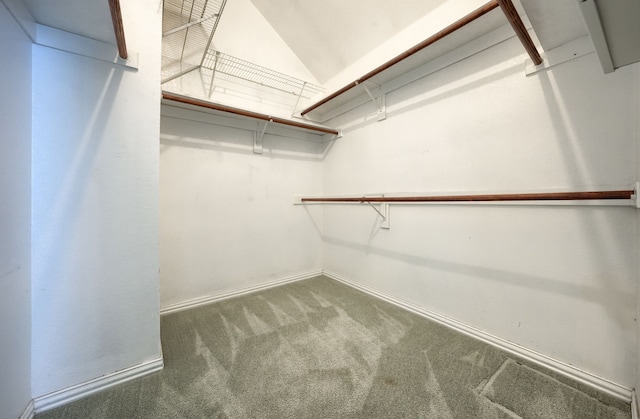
x: 118, y: 28
x: 432, y: 39
x: 249, y: 114
x: 516, y: 23
x: 548, y: 196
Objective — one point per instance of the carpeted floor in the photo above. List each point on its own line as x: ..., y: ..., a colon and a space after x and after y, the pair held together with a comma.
x: 320, y: 349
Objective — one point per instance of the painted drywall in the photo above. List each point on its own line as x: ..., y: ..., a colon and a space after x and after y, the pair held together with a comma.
x: 227, y: 221
x: 557, y: 280
x: 15, y: 218
x: 95, y: 209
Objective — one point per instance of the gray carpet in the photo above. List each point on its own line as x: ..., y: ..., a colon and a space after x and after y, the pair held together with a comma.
x: 319, y: 349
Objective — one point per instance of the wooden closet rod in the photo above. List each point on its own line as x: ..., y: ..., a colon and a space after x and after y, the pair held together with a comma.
x: 118, y: 28
x: 516, y: 23
x: 249, y: 114
x: 507, y: 7
x: 432, y: 39
x: 548, y: 196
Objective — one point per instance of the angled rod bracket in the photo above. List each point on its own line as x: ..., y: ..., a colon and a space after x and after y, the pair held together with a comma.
x: 383, y: 212
x: 379, y: 101
x: 258, y: 137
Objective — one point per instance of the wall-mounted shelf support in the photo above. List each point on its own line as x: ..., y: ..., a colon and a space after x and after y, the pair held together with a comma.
x: 383, y: 212
x: 378, y: 101
x: 257, y: 138
x: 634, y: 197
x: 293, y: 111
x: 213, y: 74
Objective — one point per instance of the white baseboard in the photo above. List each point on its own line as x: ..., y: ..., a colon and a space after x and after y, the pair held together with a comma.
x: 599, y: 383
x: 70, y: 394
x: 29, y: 412
x: 172, y: 308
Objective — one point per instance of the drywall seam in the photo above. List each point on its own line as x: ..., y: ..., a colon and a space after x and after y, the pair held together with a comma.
x: 28, y: 411
x: 76, y: 392
x: 584, y: 377
x: 196, y: 302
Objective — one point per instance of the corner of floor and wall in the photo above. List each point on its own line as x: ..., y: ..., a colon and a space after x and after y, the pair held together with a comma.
x: 80, y: 167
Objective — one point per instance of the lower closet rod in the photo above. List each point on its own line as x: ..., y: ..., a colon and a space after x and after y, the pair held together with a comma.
x: 548, y: 196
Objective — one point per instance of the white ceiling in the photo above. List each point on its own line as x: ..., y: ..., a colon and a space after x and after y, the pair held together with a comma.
x: 90, y: 18
x: 330, y: 35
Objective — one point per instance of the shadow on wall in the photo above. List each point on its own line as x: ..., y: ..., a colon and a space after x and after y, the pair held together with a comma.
x: 603, y: 296
x: 177, y: 132
x: 590, y: 143
x: 70, y: 184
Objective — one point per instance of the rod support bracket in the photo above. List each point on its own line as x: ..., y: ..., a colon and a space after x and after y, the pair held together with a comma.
x: 383, y: 212
x: 634, y: 198
x: 258, y: 137
x: 378, y: 100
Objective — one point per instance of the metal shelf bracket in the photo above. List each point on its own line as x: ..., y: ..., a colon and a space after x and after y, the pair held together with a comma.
x: 258, y: 137
x: 379, y: 101
x: 383, y: 212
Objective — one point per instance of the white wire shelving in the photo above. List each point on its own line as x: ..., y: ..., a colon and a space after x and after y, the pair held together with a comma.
x: 188, y: 30
x: 221, y: 63
x: 188, y: 27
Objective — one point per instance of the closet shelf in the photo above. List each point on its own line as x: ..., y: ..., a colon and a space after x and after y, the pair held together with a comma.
x: 191, y: 103
x: 188, y: 27
x: 457, y: 34
x: 219, y: 62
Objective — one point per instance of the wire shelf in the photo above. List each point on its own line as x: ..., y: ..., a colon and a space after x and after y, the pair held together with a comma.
x: 219, y: 62
x: 187, y: 29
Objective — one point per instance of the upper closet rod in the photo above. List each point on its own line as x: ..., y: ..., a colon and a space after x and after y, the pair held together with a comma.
x: 432, y: 39
x: 506, y: 6
x: 118, y: 28
x: 545, y: 196
x: 236, y: 111
x: 516, y: 23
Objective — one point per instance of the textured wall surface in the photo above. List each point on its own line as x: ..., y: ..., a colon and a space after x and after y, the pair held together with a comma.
x: 227, y: 219
x: 15, y: 217
x: 95, y: 209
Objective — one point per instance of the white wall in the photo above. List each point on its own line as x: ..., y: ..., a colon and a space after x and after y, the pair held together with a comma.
x: 227, y: 220
x: 95, y: 209
x: 15, y: 217
x: 557, y: 280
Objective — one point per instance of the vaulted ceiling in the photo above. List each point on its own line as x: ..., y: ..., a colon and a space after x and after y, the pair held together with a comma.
x: 330, y: 35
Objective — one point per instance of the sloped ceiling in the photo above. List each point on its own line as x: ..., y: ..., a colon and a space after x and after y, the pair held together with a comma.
x: 330, y: 35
